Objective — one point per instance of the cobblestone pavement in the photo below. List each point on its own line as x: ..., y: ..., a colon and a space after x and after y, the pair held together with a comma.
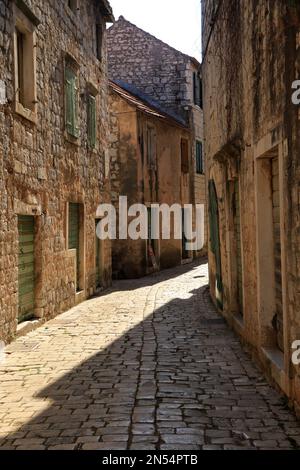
x: 149, y: 365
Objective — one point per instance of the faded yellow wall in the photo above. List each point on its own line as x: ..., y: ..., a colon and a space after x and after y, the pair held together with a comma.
x: 41, y: 170
x: 130, y: 175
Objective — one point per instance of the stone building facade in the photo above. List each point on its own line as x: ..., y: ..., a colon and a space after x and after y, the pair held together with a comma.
x: 53, y: 146
x: 251, y: 58
x: 150, y: 164
x: 169, y: 77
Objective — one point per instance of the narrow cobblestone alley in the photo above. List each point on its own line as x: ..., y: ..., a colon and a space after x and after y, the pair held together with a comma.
x: 149, y: 365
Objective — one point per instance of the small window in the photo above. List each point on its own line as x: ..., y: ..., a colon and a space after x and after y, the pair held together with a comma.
x: 99, y: 41
x: 199, y: 158
x: 73, y: 5
x: 71, y: 98
x: 20, y: 68
x: 91, y: 120
x: 25, y: 66
x: 197, y: 84
x: 151, y: 146
x: 184, y: 156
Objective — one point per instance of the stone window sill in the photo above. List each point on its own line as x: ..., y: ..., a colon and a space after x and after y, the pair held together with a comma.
x: 28, y: 114
x: 72, y: 140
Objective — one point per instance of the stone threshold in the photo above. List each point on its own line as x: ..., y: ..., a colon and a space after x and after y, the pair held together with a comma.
x: 186, y: 261
x: 27, y: 326
x: 275, y: 360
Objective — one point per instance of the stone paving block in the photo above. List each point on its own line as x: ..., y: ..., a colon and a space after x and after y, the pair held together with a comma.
x: 142, y: 367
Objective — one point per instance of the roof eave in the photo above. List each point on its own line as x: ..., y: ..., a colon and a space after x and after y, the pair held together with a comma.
x: 107, y: 11
x: 160, y: 115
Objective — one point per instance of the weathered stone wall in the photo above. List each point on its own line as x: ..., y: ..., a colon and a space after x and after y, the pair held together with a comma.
x: 250, y: 61
x: 162, y: 73
x: 139, y: 58
x: 41, y: 169
x: 196, y: 116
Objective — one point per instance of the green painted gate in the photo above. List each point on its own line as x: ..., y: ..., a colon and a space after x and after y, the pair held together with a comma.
x: 215, y: 239
x: 26, y: 271
x: 74, y: 242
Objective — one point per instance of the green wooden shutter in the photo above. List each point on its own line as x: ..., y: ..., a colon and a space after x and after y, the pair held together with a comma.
x: 197, y: 86
x: 91, y: 121
x: 278, y: 321
x: 26, y: 269
x: 200, y: 93
x: 237, y: 227
x: 98, y: 258
x: 71, y: 102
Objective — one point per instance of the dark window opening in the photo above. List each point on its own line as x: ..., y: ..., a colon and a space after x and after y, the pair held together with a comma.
x: 99, y: 41
x: 91, y: 121
x: 184, y: 156
x: 71, y: 98
x: 199, y: 158
x: 185, y: 253
x: 20, y: 65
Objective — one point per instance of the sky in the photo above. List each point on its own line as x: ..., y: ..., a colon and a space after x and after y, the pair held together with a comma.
x: 176, y: 22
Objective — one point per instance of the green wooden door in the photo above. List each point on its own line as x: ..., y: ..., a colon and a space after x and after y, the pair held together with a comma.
x: 26, y: 269
x: 185, y: 253
x: 215, y: 239
x: 74, y: 244
x: 98, y: 258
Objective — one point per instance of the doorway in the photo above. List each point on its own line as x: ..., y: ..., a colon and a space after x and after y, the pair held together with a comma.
x: 26, y: 268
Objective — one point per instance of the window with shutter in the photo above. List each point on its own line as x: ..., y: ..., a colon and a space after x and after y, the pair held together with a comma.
x: 99, y: 41
x: 91, y: 120
x: 199, y: 158
x: 71, y: 102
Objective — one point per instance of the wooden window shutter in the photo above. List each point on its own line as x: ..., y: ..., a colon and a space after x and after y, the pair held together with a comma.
x: 99, y: 41
x: 197, y: 90
x: 91, y: 121
x: 71, y: 102
x: 200, y: 93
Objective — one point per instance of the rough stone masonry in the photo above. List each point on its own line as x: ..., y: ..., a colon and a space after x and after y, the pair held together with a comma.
x: 42, y: 167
